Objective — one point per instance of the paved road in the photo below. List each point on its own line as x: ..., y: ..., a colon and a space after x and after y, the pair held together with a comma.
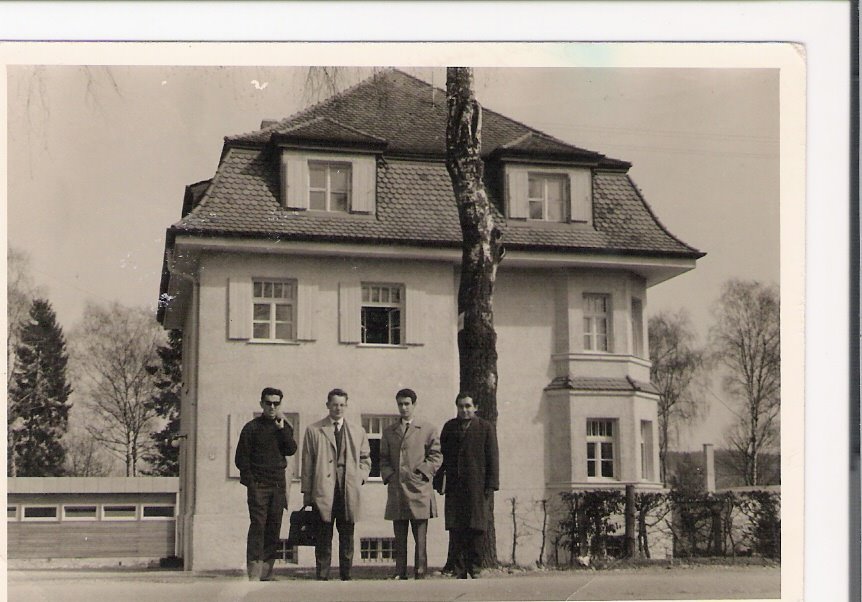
x: 684, y: 583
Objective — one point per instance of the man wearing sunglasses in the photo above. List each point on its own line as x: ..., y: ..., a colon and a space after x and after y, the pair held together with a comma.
x: 260, y: 456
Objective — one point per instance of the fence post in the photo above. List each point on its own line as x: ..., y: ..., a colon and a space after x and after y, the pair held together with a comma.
x: 630, y: 522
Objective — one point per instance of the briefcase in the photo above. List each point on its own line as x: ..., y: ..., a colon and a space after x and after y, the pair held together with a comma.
x: 304, y: 527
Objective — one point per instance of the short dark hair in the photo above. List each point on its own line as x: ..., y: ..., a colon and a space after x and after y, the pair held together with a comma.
x: 406, y: 393
x: 267, y: 391
x: 338, y: 392
x: 465, y: 395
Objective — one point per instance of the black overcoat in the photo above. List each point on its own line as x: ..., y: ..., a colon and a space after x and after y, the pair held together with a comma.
x: 470, y: 466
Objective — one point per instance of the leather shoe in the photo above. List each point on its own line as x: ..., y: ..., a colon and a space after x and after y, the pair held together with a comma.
x: 419, y: 576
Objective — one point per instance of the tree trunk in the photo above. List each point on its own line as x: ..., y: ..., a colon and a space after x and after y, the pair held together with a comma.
x: 630, y: 536
x: 481, y: 253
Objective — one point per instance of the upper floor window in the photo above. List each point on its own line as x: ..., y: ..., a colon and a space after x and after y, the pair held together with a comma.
x: 548, y: 197
x: 637, y: 328
x: 596, y: 322
x: 374, y: 426
x: 600, y: 449
x: 551, y: 194
x: 273, y: 315
x: 329, y: 186
x: 381, y: 314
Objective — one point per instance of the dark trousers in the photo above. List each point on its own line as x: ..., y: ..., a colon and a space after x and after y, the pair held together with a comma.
x: 265, y: 510
x: 466, y: 543
x: 323, y: 549
x: 420, y: 558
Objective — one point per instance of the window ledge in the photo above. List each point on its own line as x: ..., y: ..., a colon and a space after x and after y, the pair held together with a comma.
x: 544, y: 225
x: 335, y: 215
x: 271, y: 342
x: 381, y: 346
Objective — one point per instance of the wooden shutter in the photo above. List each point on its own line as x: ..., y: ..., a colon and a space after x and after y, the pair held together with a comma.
x: 239, y: 308
x: 306, y: 311
x: 349, y: 308
x: 414, y: 310
x: 517, y: 187
x: 294, y: 181
x: 581, y: 195
x: 363, y: 185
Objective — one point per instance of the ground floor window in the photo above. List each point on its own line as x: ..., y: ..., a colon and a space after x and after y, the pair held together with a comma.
x: 286, y: 553
x: 377, y: 549
x: 40, y: 513
x: 600, y: 448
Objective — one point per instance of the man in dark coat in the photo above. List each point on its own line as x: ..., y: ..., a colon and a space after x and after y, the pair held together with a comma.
x: 260, y: 456
x: 468, y: 477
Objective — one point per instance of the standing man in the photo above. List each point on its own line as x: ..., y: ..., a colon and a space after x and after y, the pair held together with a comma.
x: 260, y: 456
x: 409, y: 458
x: 335, y: 464
x: 468, y: 477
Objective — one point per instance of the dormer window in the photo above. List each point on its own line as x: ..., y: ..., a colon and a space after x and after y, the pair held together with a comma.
x: 329, y: 186
x: 332, y: 182
x: 548, y: 197
x: 549, y: 194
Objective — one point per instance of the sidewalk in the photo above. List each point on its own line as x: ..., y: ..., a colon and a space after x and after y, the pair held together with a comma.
x: 684, y: 583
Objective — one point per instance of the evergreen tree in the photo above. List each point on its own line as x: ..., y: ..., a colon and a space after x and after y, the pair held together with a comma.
x: 163, y: 460
x: 38, y: 412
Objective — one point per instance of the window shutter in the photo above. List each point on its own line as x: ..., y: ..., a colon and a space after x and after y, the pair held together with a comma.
x: 517, y: 188
x: 306, y: 310
x: 581, y: 191
x: 349, y: 309
x: 414, y: 307
x: 239, y: 308
x: 294, y: 181
x: 364, y: 178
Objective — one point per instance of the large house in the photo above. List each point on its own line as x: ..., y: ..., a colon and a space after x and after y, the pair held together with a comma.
x: 325, y: 252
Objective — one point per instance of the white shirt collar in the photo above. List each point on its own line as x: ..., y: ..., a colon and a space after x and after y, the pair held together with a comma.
x: 339, y: 422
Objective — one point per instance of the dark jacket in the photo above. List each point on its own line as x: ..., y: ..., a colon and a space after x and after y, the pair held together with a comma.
x: 260, y: 453
x: 470, y: 466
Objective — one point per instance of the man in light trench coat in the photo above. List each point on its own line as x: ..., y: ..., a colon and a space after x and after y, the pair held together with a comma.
x: 409, y: 457
x: 335, y: 463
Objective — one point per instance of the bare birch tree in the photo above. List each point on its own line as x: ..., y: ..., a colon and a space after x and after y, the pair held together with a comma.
x: 481, y: 254
x: 746, y: 340
x: 112, y: 348
x: 676, y: 365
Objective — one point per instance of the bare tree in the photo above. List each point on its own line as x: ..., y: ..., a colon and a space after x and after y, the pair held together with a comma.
x: 746, y: 340
x: 481, y: 253
x: 112, y: 348
x: 676, y: 365
x: 83, y: 456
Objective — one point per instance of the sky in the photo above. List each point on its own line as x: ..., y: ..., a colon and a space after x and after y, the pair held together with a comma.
x: 99, y: 157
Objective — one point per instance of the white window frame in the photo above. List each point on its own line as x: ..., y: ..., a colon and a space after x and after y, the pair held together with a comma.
x: 95, y: 516
x: 565, y: 201
x: 637, y: 321
x: 384, y: 549
x: 590, y: 323
x: 119, y: 518
x: 597, y: 436
x: 17, y: 512
x: 389, y: 288
x: 273, y: 302
x: 327, y: 189
x: 374, y: 425
x: 144, y: 507
x: 283, y: 551
x: 39, y: 519
x: 647, y: 464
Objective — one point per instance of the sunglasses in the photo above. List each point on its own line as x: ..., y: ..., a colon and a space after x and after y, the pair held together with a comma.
x: 273, y: 404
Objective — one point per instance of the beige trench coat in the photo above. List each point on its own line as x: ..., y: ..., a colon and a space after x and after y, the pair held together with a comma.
x: 318, y: 466
x: 410, y: 495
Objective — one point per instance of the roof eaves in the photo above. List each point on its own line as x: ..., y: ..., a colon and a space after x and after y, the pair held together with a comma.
x: 658, y: 221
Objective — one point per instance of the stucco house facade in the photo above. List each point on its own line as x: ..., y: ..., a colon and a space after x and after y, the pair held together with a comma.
x: 325, y: 252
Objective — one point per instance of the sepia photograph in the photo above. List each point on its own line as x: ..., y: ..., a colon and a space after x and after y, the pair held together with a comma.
x: 529, y: 329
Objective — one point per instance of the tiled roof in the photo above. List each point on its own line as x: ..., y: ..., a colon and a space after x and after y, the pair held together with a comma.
x: 328, y: 130
x: 588, y: 383
x: 415, y: 204
x: 410, y: 115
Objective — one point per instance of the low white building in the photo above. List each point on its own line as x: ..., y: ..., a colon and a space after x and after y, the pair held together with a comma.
x: 325, y: 252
